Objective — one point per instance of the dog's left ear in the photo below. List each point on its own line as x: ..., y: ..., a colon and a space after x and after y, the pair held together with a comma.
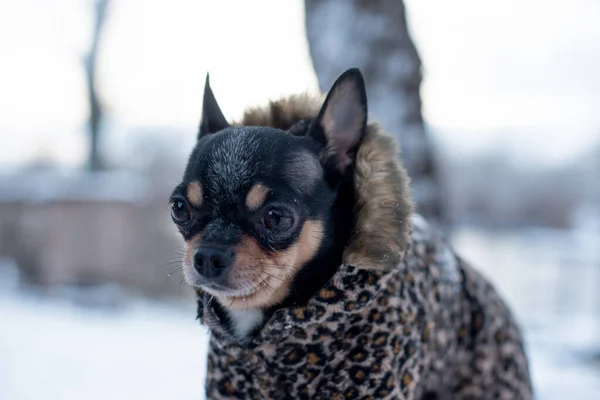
x: 342, y: 121
x: 213, y: 119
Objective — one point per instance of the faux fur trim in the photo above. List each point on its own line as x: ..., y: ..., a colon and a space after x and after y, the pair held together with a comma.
x: 284, y: 112
x: 383, y: 206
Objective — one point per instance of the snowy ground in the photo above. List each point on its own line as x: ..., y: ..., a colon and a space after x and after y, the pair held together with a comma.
x: 51, y: 348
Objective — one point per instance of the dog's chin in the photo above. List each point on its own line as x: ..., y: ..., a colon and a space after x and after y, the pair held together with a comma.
x: 224, y: 291
x: 236, y: 299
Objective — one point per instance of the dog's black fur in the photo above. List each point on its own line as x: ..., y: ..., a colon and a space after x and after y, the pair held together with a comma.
x: 309, y: 171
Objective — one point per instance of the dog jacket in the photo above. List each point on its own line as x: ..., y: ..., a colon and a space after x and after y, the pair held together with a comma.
x: 404, y: 317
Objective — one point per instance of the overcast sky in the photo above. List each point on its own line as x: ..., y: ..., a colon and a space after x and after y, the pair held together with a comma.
x: 521, y: 74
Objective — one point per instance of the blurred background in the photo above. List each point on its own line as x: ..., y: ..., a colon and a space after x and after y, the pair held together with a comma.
x: 495, y: 105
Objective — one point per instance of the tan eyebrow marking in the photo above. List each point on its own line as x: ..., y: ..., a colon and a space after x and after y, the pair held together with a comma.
x: 194, y: 194
x: 256, y: 196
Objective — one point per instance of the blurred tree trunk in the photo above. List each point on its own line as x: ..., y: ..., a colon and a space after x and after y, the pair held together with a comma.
x: 95, y: 117
x: 373, y: 35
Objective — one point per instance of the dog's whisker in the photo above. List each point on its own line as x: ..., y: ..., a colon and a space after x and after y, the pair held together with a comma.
x: 171, y: 263
x: 274, y: 276
x: 175, y: 271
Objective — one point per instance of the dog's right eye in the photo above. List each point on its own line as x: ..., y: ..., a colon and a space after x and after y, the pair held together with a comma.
x: 180, y: 212
x: 277, y: 220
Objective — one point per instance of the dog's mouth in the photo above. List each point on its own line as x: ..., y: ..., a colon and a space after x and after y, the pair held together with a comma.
x: 267, y: 287
x: 226, y: 291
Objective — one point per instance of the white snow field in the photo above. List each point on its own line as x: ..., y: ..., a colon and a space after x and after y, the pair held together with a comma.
x: 56, y: 350
x: 52, y: 348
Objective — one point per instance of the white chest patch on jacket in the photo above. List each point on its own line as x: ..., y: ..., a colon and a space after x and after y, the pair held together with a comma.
x: 244, y: 321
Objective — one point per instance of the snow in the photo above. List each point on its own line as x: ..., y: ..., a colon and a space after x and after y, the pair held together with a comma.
x: 51, y: 347
x: 558, y: 375
x: 549, y: 278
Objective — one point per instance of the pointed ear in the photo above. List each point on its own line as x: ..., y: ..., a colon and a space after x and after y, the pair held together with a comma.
x: 342, y: 121
x: 213, y: 119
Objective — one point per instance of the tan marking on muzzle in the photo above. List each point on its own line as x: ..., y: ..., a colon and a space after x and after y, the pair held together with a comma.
x: 256, y: 196
x: 194, y: 194
x: 270, y: 275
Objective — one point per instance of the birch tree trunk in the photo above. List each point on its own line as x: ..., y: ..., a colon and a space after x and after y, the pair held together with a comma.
x: 373, y: 35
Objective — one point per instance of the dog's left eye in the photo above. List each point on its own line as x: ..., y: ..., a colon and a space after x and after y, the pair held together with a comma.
x: 277, y: 220
x: 180, y: 212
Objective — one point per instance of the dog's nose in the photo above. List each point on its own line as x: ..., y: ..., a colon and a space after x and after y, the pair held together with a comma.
x: 211, y: 261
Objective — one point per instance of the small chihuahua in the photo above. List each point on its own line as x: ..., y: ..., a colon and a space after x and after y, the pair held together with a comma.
x: 315, y: 276
x: 266, y: 213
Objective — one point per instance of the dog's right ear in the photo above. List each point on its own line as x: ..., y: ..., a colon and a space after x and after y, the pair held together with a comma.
x: 213, y: 119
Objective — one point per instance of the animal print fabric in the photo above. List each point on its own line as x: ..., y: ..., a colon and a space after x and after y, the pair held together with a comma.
x: 431, y: 328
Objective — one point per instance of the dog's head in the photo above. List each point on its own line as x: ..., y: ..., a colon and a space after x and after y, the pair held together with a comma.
x: 256, y: 203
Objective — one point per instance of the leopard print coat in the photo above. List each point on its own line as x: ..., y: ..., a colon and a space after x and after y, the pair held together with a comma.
x: 404, y: 317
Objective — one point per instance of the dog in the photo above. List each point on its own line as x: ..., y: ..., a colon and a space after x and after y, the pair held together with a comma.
x: 315, y: 275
